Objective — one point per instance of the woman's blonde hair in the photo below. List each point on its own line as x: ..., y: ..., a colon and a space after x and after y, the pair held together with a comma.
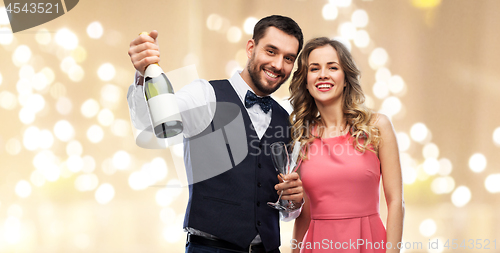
x: 305, y: 115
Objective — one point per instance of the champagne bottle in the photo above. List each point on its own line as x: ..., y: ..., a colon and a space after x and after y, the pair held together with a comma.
x: 162, y: 104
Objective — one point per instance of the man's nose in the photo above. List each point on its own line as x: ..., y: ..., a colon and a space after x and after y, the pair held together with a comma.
x: 277, y: 63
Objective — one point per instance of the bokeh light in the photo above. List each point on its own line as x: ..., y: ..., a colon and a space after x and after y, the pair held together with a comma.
x: 391, y: 106
x: 249, y: 25
x: 4, y: 18
x: 428, y: 227
x: 419, y: 132
x: 442, y: 185
x: 105, y: 117
x: 163, y: 197
x: 64, y: 131
x: 403, y: 141
x: 138, y: 180
x: 430, y: 150
x: 90, y: 108
x: 383, y: 74
x: 30, y: 138
x: 361, y: 39
x: 46, y: 139
x: 35, y: 103
x: 21, y: 55
x: 380, y: 90
x: 461, y: 196
x: 26, y: 116
x: 496, y: 136
x: 111, y: 95
x: 26, y: 72
x: 120, y: 127
x: 378, y: 58
x: 106, y: 72
x: 76, y: 73
x: 234, y: 34
x: 329, y: 11
x: 67, y: 63
x: 359, y: 18
x: 6, y: 36
x: 431, y: 166
x: 64, y: 105
x: 66, y: 39
x: 74, y: 163
x: 121, y: 160
x: 105, y: 193
x: 95, y: 30
x: 445, y: 167
x: 86, y: 182
x: 95, y: 134
x: 8, y: 100
x: 492, y: 183
x: 396, y: 84
x: 23, y: 189
x: 12, y: 230
x: 214, y: 22
x: 347, y: 30
x: 477, y: 162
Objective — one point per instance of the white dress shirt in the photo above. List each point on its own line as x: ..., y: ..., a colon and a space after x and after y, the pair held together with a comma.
x: 201, y: 95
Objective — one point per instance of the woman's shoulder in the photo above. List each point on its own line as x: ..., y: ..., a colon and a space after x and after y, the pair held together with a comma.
x: 381, y: 121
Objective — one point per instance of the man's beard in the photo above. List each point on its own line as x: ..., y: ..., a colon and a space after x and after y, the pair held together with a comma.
x: 254, y: 70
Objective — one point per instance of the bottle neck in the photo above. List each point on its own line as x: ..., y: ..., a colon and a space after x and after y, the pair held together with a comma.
x: 153, y: 70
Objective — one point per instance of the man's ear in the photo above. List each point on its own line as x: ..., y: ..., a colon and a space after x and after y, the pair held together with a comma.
x: 250, y: 48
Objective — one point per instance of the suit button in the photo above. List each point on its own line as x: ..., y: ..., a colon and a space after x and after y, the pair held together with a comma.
x: 259, y: 184
x: 258, y: 223
x: 259, y: 165
x: 258, y: 203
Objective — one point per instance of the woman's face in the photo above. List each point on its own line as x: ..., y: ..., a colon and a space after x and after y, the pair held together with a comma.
x: 325, y: 77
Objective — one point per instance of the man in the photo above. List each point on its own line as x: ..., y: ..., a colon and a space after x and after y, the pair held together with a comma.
x: 228, y: 212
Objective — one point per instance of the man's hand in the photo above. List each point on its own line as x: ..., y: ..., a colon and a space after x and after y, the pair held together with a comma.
x: 292, y: 188
x: 144, y: 50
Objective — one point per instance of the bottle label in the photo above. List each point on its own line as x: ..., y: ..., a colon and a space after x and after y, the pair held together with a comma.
x: 163, y: 108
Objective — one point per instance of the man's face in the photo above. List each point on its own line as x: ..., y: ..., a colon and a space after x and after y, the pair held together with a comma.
x: 271, y: 61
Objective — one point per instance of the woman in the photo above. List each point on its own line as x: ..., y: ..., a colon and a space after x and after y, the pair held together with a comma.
x: 347, y: 148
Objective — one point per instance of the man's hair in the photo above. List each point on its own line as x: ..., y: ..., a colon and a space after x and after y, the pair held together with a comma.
x: 285, y: 24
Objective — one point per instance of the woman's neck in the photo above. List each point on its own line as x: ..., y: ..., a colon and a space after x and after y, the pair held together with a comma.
x: 333, y: 118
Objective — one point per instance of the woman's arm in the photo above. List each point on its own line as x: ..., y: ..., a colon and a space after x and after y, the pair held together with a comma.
x: 301, y: 225
x: 392, y: 181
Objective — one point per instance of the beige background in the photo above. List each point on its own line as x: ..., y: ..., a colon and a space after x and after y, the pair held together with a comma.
x: 445, y: 51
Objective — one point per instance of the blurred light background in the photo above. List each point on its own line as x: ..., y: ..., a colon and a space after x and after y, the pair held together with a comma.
x: 73, y: 180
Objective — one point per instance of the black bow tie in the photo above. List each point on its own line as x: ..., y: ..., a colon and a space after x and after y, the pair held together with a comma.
x: 252, y: 99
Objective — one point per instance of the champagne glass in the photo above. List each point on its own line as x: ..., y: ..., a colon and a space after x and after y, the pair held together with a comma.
x: 281, y: 161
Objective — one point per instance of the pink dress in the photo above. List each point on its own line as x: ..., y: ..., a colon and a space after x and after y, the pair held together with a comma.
x: 343, y: 189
